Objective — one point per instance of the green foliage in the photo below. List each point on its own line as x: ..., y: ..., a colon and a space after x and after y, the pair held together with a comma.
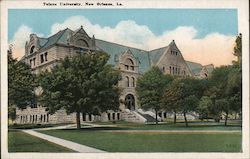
x: 238, y: 50
x: 203, y: 108
x: 150, y: 88
x: 84, y: 83
x: 21, y: 84
x: 182, y: 95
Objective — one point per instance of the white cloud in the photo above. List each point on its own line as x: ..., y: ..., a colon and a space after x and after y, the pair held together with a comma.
x: 214, y: 48
x: 19, y: 39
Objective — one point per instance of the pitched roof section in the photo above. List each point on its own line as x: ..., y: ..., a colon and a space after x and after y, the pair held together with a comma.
x: 194, y: 67
x: 209, y: 68
x: 156, y: 54
x: 114, y: 50
x: 59, y: 37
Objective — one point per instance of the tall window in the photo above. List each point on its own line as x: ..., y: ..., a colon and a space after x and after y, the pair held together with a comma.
x: 32, y: 49
x: 133, y: 82
x: 127, y: 81
x: 170, y: 69
x: 34, y: 61
x: 41, y: 58
x: 45, y: 56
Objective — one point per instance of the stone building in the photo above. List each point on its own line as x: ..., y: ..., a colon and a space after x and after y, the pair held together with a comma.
x: 44, y: 53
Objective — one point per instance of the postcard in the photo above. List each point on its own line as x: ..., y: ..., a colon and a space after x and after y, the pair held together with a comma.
x: 125, y: 79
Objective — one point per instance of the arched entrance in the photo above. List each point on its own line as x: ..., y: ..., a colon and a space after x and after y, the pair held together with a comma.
x: 130, y: 102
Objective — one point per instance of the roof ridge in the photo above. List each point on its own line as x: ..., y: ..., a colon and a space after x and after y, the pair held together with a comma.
x: 159, y: 48
x: 123, y: 45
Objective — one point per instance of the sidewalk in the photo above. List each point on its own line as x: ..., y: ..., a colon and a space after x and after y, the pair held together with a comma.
x: 65, y: 143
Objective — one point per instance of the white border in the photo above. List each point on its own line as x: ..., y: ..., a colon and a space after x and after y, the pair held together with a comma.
x: 243, y: 27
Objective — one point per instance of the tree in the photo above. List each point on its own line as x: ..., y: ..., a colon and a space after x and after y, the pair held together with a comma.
x: 21, y: 84
x: 189, y: 104
x: 84, y: 83
x: 150, y: 88
x: 182, y: 95
x: 238, y: 50
x: 203, y: 108
x: 171, y: 97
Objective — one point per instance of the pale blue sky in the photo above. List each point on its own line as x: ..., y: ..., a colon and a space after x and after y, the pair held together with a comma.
x: 205, y: 21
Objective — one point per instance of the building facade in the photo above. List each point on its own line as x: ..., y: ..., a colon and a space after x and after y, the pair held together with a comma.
x: 44, y: 53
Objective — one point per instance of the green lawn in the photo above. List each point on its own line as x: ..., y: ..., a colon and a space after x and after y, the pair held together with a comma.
x: 193, y: 125
x: 153, y: 142
x: 33, y: 126
x: 21, y: 142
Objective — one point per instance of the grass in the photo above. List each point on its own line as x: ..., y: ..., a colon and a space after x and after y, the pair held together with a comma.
x: 34, y: 126
x: 21, y: 142
x: 153, y: 142
x: 193, y: 125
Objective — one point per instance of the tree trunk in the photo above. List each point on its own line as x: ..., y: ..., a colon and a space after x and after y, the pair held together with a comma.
x: 156, y: 116
x: 78, y: 122
x: 226, y: 119
x: 186, y: 122
x: 174, y: 117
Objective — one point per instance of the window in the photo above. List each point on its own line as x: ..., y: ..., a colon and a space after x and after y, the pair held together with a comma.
x: 163, y: 69
x: 129, y: 65
x: 176, y: 53
x: 127, y: 81
x: 32, y: 49
x: 41, y: 58
x: 34, y: 61
x: 176, y: 70
x: 47, y: 117
x: 170, y: 70
x: 82, y: 43
x: 30, y: 62
x: 108, y: 116
x: 45, y: 56
x: 173, y: 69
x: 133, y: 82
x: 132, y: 68
x: 126, y: 67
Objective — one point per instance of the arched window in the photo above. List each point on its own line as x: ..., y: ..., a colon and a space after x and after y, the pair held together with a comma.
x: 133, y: 82
x: 129, y: 64
x: 170, y: 69
x: 173, y: 70
x: 82, y: 43
x: 127, y: 81
x: 32, y: 49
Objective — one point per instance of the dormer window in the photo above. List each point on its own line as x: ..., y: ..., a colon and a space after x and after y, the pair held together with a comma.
x: 32, y: 49
x: 129, y: 65
x: 82, y: 43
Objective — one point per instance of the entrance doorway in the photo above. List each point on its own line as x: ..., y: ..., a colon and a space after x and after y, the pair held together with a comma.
x: 130, y: 102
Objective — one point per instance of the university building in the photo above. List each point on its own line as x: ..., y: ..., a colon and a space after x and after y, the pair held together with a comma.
x: 44, y: 53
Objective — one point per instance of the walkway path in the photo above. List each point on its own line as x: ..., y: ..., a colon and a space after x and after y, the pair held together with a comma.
x: 65, y: 143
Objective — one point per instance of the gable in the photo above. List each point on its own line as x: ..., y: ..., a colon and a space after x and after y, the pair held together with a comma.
x: 172, y: 61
